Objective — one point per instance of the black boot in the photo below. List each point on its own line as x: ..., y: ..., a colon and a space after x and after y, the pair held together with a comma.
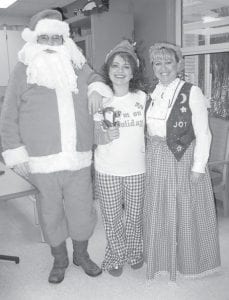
x: 60, y: 264
x: 81, y: 258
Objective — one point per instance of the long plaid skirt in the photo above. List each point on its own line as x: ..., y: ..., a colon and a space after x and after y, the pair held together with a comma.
x: 180, y: 226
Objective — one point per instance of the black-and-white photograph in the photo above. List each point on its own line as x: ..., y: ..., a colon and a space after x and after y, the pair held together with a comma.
x: 114, y: 149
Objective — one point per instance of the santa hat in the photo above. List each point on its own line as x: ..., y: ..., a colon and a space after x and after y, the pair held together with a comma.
x: 124, y: 46
x: 49, y: 22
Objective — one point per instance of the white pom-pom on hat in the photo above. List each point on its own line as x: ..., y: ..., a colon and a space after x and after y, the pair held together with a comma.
x: 28, y: 35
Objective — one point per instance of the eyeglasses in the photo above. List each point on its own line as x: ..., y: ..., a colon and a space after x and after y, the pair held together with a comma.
x: 50, y: 40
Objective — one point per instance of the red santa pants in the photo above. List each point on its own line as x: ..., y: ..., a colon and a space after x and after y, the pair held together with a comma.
x: 65, y: 205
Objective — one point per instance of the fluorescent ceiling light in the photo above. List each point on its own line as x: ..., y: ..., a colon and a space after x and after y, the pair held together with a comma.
x: 6, y: 3
x: 191, y: 2
x: 208, y: 19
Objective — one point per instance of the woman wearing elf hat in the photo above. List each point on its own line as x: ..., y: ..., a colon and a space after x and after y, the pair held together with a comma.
x: 120, y: 160
x: 47, y: 131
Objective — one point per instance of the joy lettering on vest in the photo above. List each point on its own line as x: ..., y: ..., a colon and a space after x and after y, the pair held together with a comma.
x: 180, y: 124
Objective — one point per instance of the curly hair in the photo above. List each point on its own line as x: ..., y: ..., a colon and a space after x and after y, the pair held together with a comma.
x: 135, y: 82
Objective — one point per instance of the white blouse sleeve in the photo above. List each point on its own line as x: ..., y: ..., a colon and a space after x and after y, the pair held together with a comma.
x: 199, y: 110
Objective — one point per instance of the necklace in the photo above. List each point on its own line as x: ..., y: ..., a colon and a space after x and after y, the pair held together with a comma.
x: 162, y: 114
x: 172, y: 98
x: 171, y: 101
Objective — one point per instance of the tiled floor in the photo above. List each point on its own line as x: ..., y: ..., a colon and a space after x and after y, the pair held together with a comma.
x: 28, y: 279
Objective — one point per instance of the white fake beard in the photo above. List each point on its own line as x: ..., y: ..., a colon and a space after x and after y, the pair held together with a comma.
x: 52, y: 70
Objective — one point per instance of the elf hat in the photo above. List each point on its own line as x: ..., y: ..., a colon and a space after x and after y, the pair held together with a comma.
x: 48, y: 22
x: 123, y: 46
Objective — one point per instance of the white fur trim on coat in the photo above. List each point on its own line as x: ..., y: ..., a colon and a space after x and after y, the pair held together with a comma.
x: 101, y: 88
x: 71, y: 161
x: 67, y: 119
x: 15, y: 156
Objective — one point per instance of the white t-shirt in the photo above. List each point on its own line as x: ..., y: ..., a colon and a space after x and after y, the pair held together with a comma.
x: 125, y: 156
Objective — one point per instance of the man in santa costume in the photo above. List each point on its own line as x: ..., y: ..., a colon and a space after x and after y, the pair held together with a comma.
x: 47, y: 131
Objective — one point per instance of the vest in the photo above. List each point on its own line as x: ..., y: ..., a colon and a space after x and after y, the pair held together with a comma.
x: 179, y: 127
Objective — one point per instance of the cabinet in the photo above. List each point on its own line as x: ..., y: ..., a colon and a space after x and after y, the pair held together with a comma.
x: 81, y: 34
x: 3, y: 59
x: 10, y: 43
x: 99, y: 33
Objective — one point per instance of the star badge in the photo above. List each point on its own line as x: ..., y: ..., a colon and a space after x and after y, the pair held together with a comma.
x: 179, y: 148
x: 183, y: 109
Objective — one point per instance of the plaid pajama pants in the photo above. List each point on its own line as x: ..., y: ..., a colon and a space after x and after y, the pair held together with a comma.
x: 123, y: 227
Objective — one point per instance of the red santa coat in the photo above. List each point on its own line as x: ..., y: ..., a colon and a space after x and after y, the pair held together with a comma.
x: 38, y: 129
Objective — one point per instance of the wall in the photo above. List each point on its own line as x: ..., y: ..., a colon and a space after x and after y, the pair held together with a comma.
x: 153, y: 22
x: 107, y: 28
x: 111, y: 27
x: 13, y: 20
